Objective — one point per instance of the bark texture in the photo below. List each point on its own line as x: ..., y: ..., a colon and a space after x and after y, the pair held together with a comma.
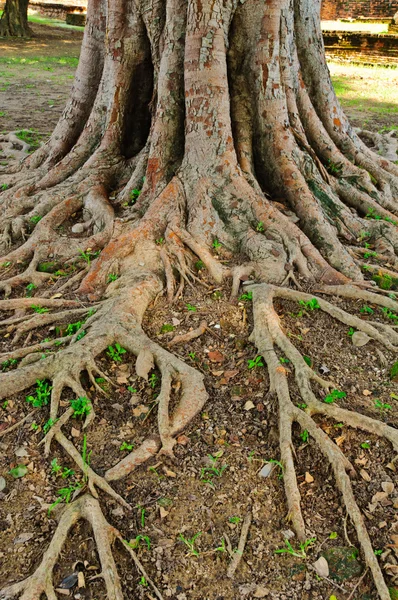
x: 190, y: 123
x: 14, y: 20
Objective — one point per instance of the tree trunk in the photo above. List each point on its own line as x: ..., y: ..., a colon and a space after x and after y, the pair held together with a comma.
x: 190, y: 126
x: 14, y: 20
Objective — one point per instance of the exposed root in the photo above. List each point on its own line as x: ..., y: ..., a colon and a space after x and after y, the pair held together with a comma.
x: 189, y: 336
x: 41, y: 582
x: 16, y: 425
x: 241, y: 545
x: 266, y: 335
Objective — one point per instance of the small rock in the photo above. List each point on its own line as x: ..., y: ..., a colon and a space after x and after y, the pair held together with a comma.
x: 343, y: 563
x: 118, y: 407
x: 324, y: 370
x: 118, y: 512
x: 378, y: 497
x: 23, y: 538
x: 2, y: 484
x: 366, y: 393
x: 261, y: 592
x: 75, y: 432
x: 134, y: 399
x: 175, y: 321
x: 309, y: 478
x: 365, y: 475
x: 182, y: 440
x: 78, y: 228
x: 266, y: 470
x: 387, y: 487
x: 321, y: 567
x: 359, y: 338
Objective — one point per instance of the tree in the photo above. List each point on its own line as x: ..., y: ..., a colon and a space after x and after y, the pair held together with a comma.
x: 14, y: 20
x: 190, y: 124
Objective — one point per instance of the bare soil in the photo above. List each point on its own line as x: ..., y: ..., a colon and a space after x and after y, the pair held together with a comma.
x: 238, y: 427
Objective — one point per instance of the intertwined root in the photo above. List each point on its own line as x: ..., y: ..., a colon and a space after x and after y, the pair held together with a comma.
x: 268, y: 335
x: 41, y: 582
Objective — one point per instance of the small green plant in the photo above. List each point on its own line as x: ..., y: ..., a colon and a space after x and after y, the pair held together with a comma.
x: 208, y: 473
x: 234, y: 520
x: 217, y: 295
x: 260, y: 227
x: 34, y: 426
x: 112, y: 277
x: 30, y: 288
x: 381, y: 405
x: 278, y: 464
x: 390, y: 314
x: 304, y: 435
x: 67, y: 473
x: 115, y: 352
x: 350, y: 332
x: 199, y: 265
x: 153, y: 380
x: 81, y: 407
x: 367, y: 310
x: 131, y: 389
x: 302, y: 406
x: 10, y: 362
x: 126, y: 446
x: 190, y: 543
x: 35, y: 219
x: 42, y: 394
x: 55, y: 467
x: 166, y: 328
x: 65, y: 495
x: 308, y: 360
x: 312, y: 304
x: 334, y: 395
x: 47, y: 426
x: 216, y: 244
x: 334, y: 168
x: 221, y: 547
x: 88, y: 255
x: 370, y: 254
x: 301, y: 552
x: 140, y: 538
x: 143, y: 581
x: 247, y: 297
x: 255, y: 362
x: 283, y: 360
x: 4, y: 187
x: 159, y: 241
x: 4, y: 405
x: 134, y: 195
x: 333, y: 535
x: 190, y: 307
x: 378, y: 552
x: 365, y: 445
x: 192, y: 355
x: 39, y: 309
x: 18, y: 471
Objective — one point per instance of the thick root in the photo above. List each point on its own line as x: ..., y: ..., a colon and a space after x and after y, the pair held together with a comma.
x: 267, y: 335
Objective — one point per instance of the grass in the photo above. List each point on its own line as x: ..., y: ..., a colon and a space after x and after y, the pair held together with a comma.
x: 33, y: 18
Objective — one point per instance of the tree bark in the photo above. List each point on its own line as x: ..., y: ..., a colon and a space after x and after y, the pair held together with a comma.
x: 190, y: 126
x: 14, y: 20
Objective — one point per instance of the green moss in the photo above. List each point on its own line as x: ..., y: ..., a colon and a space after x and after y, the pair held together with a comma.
x: 47, y: 267
x: 394, y: 371
x: 327, y: 202
x: 386, y: 281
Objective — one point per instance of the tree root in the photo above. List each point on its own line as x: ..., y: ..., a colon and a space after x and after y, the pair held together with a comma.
x: 241, y: 546
x: 189, y: 336
x: 267, y: 334
x: 88, y: 509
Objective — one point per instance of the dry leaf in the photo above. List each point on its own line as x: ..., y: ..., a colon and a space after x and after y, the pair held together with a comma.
x: 249, y: 405
x: 75, y: 432
x: 163, y: 512
x: 144, y: 363
x: 183, y: 440
x: 366, y: 393
x: 216, y: 356
x: 230, y: 374
x: 122, y: 379
x: 59, y: 295
x: 141, y: 409
x: 321, y: 567
x: 378, y: 497
x: 308, y: 477
x: 365, y: 475
x: 169, y: 473
x: 388, y: 487
x: 339, y: 440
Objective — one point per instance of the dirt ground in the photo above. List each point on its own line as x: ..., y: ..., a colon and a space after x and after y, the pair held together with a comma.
x: 174, y: 501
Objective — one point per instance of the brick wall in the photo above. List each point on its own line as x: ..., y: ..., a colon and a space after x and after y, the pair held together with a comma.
x: 343, y: 9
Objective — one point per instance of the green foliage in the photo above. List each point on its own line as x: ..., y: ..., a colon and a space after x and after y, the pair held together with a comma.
x: 140, y: 538
x: 81, y: 407
x: 112, y: 277
x: 394, y: 371
x: 42, y: 394
x: 301, y: 552
x: 334, y: 395
x: 365, y: 445
x: 190, y: 543
x: 283, y: 360
x: 278, y: 464
x: 159, y: 241
x: 134, y: 195
x: 190, y: 307
x: 35, y: 219
x: 216, y: 244
x: 351, y: 332
x: 390, y: 314
x: 126, y: 446
x: 115, y: 352
x: 334, y: 168
x: 370, y: 255
x: 47, y: 426
x: 31, y: 137
x: 367, y: 310
x: 308, y: 360
x: 30, y: 288
x: 208, y: 473
x: 304, y: 435
x: 143, y: 581
x: 247, y: 296
x: 4, y: 187
x: 381, y: 405
x: 10, y: 362
x: 260, y: 227
x: 166, y: 328
x: 234, y: 520
x: 254, y: 363
x: 55, y: 467
x: 199, y: 265
x: 371, y: 214
x: 39, y: 309
x: 89, y: 255
x: 65, y: 495
x: 312, y: 304
x: 153, y: 380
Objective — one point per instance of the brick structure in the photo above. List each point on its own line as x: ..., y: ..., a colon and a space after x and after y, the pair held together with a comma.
x: 345, y: 9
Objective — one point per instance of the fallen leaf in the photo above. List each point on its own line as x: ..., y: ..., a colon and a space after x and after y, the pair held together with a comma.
x: 183, y: 440
x: 266, y: 470
x: 122, y: 379
x: 75, y: 432
x: 249, y: 405
x: 388, y: 487
x: 169, y: 473
x: 366, y: 393
x: 378, y: 497
x: 163, y: 512
x: 359, y: 338
x: 141, y: 409
x: 230, y: 374
x: 339, y: 440
x: 308, y: 477
x: 216, y: 356
x: 365, y: 475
